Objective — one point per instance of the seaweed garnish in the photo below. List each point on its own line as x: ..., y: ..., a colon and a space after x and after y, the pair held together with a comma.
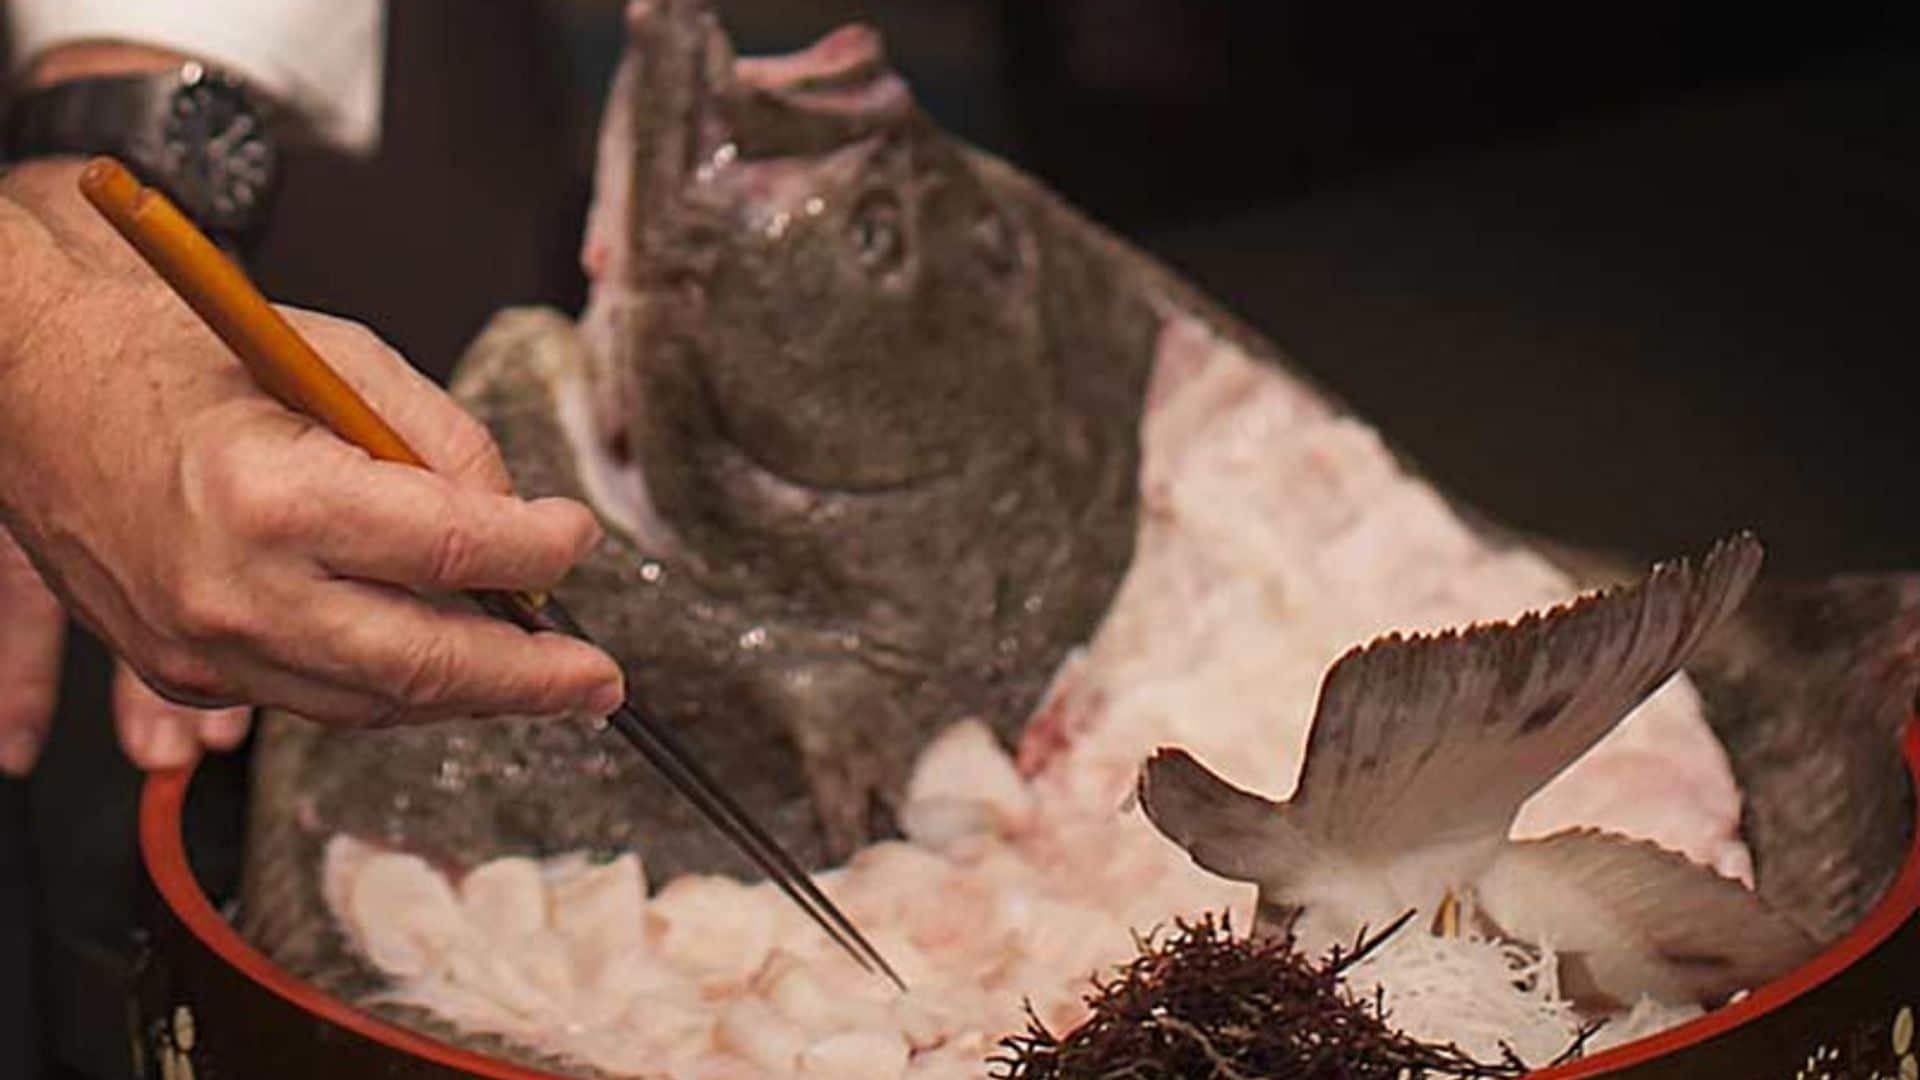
x: 1202, y: 1003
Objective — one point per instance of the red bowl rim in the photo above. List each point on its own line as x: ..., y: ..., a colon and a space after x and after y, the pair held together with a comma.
x: 163, y: 849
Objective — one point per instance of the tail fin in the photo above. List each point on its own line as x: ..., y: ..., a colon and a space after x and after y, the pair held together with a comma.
x: 1428, y: 739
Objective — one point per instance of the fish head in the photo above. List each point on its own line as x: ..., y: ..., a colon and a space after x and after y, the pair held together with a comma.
x: 812, y: 273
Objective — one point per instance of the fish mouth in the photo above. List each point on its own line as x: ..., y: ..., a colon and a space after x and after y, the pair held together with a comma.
x: 698, y: 96
x: 843, y: 76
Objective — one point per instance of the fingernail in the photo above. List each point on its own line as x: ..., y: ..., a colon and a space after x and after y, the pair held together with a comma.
x: 18, y: 751
x: 169, y: 744
x: 225, y: 729
x: 580, y: 516
x: 607, y: 699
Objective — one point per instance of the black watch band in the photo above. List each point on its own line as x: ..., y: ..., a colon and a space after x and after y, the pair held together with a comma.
x: 199, y: 136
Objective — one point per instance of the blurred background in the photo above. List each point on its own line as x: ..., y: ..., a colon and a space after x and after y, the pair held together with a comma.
x: 1627, y: 276
x: 1633, y: 276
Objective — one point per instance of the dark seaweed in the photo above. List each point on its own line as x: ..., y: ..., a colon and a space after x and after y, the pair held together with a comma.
x: 1200, y: 1003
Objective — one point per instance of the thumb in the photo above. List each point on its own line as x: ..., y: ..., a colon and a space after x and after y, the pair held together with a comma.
x: 32, y: 633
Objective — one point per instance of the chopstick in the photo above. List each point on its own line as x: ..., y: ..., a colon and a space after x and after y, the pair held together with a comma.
x: 286, y: 366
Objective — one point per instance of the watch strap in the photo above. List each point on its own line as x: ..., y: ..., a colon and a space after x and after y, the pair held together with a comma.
x: 120, y: 115
x: 128, y: 118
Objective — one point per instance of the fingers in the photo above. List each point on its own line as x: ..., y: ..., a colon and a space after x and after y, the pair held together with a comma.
x: 157, y: 734
x: 416, y: 662
x: 447, y: 437
x: 154, y: 733
x: 224, y: 729
x: 32, y: 633
x: 394, y: 524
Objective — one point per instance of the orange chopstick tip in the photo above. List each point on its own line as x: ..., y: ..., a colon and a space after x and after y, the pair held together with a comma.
x: 105, y: 178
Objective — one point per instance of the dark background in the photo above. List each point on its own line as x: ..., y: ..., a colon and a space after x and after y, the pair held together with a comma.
x: 1630, y: 278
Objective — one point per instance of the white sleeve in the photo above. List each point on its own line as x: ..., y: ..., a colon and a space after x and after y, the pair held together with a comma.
x: 320, y: 58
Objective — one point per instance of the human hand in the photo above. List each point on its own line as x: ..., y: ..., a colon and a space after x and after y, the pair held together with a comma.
x: 235, y: 552
x: 154, y: 732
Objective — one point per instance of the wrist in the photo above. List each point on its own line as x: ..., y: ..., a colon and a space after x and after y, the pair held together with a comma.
x: 31, y: 263
x: 32, y: 272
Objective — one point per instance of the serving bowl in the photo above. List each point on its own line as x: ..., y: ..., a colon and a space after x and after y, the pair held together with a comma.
x: 207, y: 1004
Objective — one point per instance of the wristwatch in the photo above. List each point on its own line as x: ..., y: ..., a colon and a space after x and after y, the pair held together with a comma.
x: 198, y: 135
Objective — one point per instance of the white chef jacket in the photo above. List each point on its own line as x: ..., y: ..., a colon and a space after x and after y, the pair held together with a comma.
x: 322, y: 59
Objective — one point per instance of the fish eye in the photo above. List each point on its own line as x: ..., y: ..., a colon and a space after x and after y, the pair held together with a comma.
x: 874, y: 231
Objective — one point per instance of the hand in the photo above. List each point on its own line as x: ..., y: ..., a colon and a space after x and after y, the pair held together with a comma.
x: 233, y: 551
x: 154, y: 732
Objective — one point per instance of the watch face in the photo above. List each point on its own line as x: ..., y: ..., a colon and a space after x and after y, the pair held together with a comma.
x: 215, y: 150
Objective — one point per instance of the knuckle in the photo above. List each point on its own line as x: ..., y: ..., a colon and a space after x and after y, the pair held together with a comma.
x: 354, y: 345
x: 472, y: 453
x: 361, y: 337
x: 276, y: 516
x: 249, y: 503
x: 453, y: 554
x: 427, y: 676
x: 213, y: 472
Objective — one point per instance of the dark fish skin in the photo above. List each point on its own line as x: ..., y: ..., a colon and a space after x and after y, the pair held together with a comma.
x: 1809, y: 687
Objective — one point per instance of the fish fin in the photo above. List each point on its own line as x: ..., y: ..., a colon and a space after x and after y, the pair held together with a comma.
x: 1226, y: 830
x: 1432, y: 738
x: 1636, y: 920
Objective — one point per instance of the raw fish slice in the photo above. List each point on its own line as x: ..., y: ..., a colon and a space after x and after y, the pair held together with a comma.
x: 713, y: 928
x: 505, y: 899
x: 856, y: 1056
x: 600, y: 909
x: 340, y: 866
x: 404, y: 914
x: 967, y: 764
x: 531, y: 975
x: 751, y: 1030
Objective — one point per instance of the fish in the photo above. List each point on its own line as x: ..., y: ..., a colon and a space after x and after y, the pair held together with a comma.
x: 932, y: 508
x: 1422, y: 751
